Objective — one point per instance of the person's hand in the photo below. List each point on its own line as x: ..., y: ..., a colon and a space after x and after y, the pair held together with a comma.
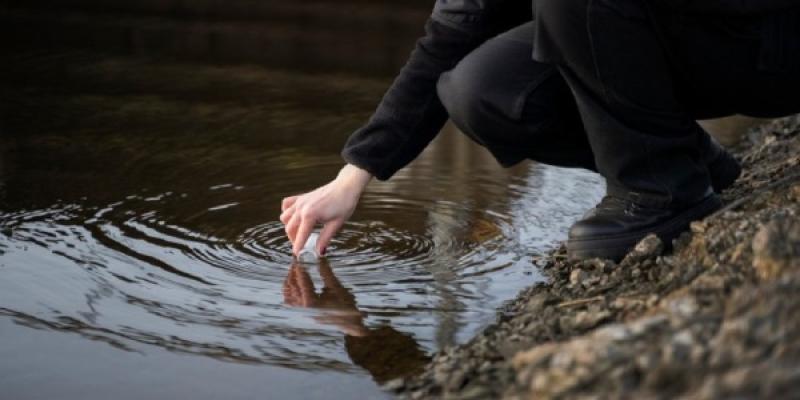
x: 330, y: 205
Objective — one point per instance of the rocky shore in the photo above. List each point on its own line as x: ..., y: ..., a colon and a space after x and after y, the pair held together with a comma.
x: 717, y: 317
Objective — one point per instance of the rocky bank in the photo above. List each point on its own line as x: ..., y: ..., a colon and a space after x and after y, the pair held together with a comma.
x: 718, y: 317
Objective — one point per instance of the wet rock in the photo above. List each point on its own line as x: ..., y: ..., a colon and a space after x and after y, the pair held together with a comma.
x: 776, y: 248
x: 680, y: 348
x: 623, y: 303
x: 698, y: 227
x: 645, y: 326
x: 684, y: 307
x: 475, y: 392
x: 456, y: 380
x: 794, y: 193
x: 577, y: 276
x: 395, y: 385
x: 536, y: 356
x: 540, y: 301
x: 649, y: 247
x: 586, y: 320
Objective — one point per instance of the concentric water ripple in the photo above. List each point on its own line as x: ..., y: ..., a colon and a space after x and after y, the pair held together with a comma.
x: 146, y: 224
x: 124, y: 272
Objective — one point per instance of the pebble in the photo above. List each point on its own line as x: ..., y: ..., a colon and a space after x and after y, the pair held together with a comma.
x: 717, y: 318
x: 649, y: 247
x: 776, y: 248
x: 577, y: 276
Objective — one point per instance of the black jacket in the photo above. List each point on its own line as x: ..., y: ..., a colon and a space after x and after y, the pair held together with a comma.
x: 410, y: 114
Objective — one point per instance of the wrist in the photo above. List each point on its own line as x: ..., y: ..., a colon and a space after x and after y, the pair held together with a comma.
x: 354, y: 177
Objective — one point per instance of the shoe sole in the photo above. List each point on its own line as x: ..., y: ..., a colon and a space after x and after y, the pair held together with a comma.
x: 616, y: 247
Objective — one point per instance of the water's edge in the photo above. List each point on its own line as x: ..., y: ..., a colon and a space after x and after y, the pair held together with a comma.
x: 714, y: 319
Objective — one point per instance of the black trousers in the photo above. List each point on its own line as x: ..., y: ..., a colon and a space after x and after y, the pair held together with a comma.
x: 616, y: 88
x: 516, y: 107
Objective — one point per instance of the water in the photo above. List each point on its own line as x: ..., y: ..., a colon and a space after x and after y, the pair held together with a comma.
x: 141, y: 253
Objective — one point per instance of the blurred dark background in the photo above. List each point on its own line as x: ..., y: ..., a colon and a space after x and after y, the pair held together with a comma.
x: 361, y: 36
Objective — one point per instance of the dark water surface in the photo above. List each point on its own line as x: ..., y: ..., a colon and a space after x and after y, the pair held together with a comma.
x: 141, y: 255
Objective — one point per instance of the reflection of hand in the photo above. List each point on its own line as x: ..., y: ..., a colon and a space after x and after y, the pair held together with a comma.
x: 331, y: 205
x: 337, y: 304
x: 384, y: 352
x: 298, y: 289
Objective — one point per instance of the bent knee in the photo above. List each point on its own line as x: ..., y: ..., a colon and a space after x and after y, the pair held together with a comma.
x: 460, y: 92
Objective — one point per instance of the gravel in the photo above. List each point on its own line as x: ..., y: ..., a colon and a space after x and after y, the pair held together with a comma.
x: 717, y: 318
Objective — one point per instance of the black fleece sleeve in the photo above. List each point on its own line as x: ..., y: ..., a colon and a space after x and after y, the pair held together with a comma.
x: 410, y: 114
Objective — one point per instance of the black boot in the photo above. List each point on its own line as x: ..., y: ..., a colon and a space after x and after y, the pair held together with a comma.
x: 723, y: 169
x: 616, y: 225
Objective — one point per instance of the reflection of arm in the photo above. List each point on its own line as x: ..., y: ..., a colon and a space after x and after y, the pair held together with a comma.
x: 410, y: 114
x: 337, y: 304
x: 333, y: 291
x: 387, y: 353
x: 730, y: 6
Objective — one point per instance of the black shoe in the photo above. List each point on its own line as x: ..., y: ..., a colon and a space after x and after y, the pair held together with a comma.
x: 723, y: 170
x: 616, y: 225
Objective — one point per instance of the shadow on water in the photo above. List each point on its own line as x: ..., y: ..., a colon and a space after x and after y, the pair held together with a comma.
x: 138, y: 209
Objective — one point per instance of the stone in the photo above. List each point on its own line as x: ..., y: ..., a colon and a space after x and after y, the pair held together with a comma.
x: 683, y: 307
x: 698, y: 227
x: 648, y: 324
x: 395, y: 385
x: 456, y: 380
x: 577, y: 276
x: 585, y: 320
x: 536, y: 356
x: 649, y: 247
x: 695, y: 323
x: 540, y: 300
x: 622, y: 303
x: 679, y: 350
x: 794, y: 193
x: 474, y: 392
x: 776, y: 248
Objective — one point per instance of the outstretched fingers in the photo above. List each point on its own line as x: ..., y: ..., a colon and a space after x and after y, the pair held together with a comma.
x: 327, y: 233
x: 287, y: 214
x: 288, y: 202
x: 292, y: 225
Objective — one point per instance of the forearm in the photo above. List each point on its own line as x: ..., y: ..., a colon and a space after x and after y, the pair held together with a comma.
x: 410, y: 114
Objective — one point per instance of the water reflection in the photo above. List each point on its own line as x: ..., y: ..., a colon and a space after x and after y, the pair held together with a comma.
x: 141, y: 203
x: 383, y: 351
x: 316, y: 36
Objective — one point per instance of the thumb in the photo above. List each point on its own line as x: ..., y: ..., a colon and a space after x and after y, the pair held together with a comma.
x: 327, y: 233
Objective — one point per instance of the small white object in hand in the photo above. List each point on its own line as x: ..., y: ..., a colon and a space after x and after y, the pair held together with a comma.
x: 309, y: 252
